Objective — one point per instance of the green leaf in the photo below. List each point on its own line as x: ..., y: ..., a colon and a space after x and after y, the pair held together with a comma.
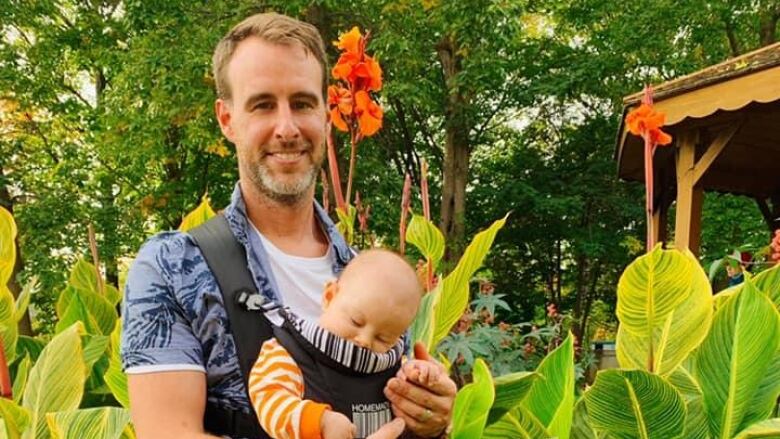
x: 30, y: 346
x: 422, y: 326
x: 472, y: 404
x: 769, y: 428
x: 76, y: 311
x: 768, y: 282
x: 734, y: 359
x: 112, y: 294
x: 94, y: 347
x: 454, y: 295
x: 7, y: 246
x: 24, y: 298
x: 635, y: 404
x: 665, y: 309
x: 517, y: 423
x: 20, y: 380
x: 511, y: 389
x: 9, y: 331
x: 97, y: 423
x: 696, y: 419
x: 56, y: 381
x: 551, y: 399
x: 16, y: 418
x: 115, y: 379
x: 99, y: 308
x: 346, y: 224
x: 84, y: 277
x: 424, y: 235
x: 580, y: 427
x: 200, y: 215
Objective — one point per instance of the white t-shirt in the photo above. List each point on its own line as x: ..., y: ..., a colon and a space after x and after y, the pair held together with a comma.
x: 301, y: 280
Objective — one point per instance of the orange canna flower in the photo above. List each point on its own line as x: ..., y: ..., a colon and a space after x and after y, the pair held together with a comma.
x: 350, y: 41
x: 369, y: 114
x: 645, y: 121
x: 340, y: 103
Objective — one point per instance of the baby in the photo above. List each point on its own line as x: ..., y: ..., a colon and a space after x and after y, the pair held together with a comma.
x: 326, y: 380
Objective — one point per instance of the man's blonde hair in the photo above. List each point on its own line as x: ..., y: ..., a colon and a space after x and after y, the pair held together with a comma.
x: 272, y: 28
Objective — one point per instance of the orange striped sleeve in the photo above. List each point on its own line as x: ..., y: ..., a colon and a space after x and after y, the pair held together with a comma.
x: 276, y: 392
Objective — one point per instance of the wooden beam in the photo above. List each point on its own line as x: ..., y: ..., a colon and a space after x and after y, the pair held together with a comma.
x: 687, y: 229
x: 714, y: 150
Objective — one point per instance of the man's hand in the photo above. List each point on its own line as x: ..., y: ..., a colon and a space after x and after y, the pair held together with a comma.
x: 426, y: 407
x: 335, y: 425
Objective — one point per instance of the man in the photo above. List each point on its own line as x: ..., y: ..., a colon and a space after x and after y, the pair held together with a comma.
x: 177, y: 349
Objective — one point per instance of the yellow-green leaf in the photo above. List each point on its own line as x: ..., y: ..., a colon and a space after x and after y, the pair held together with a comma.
x: 696, y: 419
x: 511, y: 389
x: 580, y: 426
x: 551, y: 400
x: 56, y: 381
x: 16, y: 418
x: 20, y: 380
x: 635, y: 404
x: 24, y: 298
x: 665, y: 310
x: 77, y: 312
x: 84, y: 277
x: 422, y: 326
x: 346, y: 224
x: 7, y: 245
x: 424, y: 235
x: 98, y: 306
x: 200, y: 215
x: 454, y: 295
x: 115, y: 379
x: 472, y: 404
x: 734, y: 359
x: 768, y: 429
x: 9, y: 331
x: 112, y: 294
x: 94, y: 423
x: 518, y: 423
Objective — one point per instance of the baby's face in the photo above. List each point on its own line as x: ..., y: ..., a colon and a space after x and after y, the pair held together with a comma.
x: 369, y: 316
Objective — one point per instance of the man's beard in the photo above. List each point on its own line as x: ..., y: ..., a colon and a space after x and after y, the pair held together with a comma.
x: 284, y: 192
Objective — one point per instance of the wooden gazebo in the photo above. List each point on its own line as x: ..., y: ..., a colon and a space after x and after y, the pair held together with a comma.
x: 725, y: 122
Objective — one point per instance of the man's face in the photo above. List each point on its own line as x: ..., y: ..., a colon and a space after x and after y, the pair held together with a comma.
x: 276, y: 117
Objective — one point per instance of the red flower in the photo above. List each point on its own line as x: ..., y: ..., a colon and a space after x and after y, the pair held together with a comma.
x: 340, y: 103
x: 646, y: 122
x: 369, y: 114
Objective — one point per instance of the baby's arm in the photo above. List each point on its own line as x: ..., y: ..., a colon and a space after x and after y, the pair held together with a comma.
x: 276, y: 391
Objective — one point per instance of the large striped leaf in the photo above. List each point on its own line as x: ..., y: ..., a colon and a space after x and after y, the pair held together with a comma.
x: 696, y: 419
x: 23, y: 301
x: 422, y: 326
x: 424, y: 235
x: 9, y: 332
x: 472, y: 404
x: 20, y: 380
x: 16, y: 418
x: 7, y: 245
x: 768, y: 282
x: 200, y: 215
x: 763, y: 401
x: 454, y: 295
x: 764, y: 429
x: 56, y: 381
x: 580, y: 425
x: 115, y: 379
x: 94, y: 423
x: 631, y: 404
x: 551, y: 399
x: 76, y: 311
x: 98, y: 307
x: 30, y: 346
x: 734, y: 359
x: 511, y: 389
x: 84, y: 277
x: 665, y: 310
x: 517, y: 423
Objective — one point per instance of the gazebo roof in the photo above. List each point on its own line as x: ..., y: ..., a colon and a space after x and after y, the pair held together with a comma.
x: 737, y: 101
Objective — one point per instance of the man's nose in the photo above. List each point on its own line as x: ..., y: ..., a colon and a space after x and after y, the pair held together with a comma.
x: 286, y: 128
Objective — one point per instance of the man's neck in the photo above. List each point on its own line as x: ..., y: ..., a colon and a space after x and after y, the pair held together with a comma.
x: 293, y: 228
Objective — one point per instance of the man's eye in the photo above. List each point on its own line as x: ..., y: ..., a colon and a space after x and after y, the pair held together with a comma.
x: 302, y: 105
x: 264, y: 105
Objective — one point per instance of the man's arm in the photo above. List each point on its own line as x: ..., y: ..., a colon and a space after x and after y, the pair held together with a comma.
x: 168, y: 404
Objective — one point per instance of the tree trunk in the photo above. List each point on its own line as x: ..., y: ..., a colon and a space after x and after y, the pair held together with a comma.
x: 457, y: 153
x: 25, y: 326
x: 768, y: 26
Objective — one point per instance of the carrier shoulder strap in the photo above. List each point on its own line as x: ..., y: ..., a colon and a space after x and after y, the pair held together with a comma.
x: 226, y: 258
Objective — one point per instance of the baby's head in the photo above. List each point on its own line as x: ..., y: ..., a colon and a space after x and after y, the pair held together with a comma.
x: 374, y: 300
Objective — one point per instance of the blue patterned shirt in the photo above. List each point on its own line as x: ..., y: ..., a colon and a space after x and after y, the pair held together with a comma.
x: 173, y: 313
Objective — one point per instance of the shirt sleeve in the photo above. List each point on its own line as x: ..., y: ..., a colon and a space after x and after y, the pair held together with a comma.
x: 276, y: 392
x: 157, y: 335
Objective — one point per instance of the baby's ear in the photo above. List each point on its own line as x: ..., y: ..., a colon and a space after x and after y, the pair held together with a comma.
x: 331, y: 289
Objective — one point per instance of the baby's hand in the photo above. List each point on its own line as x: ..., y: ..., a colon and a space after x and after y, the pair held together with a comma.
x: 424, y: 373
x: 334, y: 425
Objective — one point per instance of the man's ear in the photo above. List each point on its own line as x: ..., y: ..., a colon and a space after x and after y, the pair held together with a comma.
x: 331, y: 289
x: 223, y: 110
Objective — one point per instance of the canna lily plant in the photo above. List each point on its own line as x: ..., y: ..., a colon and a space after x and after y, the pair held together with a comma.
x: 353, y: 110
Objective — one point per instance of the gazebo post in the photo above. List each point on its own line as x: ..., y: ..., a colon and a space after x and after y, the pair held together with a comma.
x: 687, y: 229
